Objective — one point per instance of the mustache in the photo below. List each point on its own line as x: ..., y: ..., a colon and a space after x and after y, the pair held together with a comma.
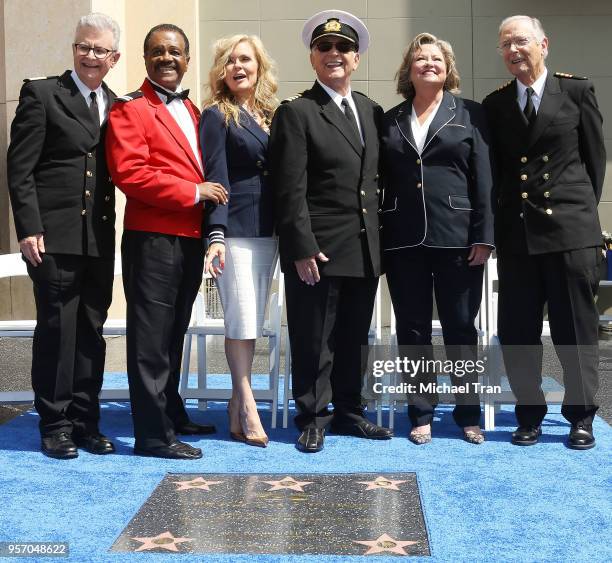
x: 164, y: 65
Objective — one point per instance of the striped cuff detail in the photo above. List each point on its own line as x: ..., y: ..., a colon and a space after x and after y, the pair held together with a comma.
x: 216, y: 236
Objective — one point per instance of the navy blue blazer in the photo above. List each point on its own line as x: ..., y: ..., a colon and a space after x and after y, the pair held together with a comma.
x: 443, y: 196
x: 236, y: 158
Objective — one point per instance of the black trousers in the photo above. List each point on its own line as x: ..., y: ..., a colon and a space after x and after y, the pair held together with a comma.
x: 567, y: 282
x: 414, y: 275
x: 328, y: 324
x: 161, y: 277
x: 72, y: 295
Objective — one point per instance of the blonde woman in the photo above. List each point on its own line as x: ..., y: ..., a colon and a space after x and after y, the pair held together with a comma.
x: 242, y: 251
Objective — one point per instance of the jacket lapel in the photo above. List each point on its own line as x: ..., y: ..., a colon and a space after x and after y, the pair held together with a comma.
x: 73, y: 101
x: 402, y: 120
x: 110, y: 100
x: 250, y: 125
x: 163, y: 116
x: 332, y: 113
x: 444, y: 115
x: 552, y: 98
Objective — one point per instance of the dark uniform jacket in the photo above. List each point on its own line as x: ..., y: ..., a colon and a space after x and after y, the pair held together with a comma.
x: 57, y: 175
x: 441, y: 197
x: 236, y: 157
x: 326, y: 185
x: 548, y: 179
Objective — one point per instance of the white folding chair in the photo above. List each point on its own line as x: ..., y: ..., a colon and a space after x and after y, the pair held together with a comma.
x: 203, y: 327
x: 13, y: 266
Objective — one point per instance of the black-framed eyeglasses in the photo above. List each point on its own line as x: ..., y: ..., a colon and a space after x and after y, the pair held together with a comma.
x: 83, y: 49
x: 341, y: 46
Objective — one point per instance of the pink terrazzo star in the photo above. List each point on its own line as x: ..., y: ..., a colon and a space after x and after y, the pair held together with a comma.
x: 386, y: 544
x: 288, y: 483
x: 382, y: 483
x: 164, y: 540
x: 197, y: 483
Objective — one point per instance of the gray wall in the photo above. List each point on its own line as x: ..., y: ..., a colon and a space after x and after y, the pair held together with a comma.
x: 579, y: 34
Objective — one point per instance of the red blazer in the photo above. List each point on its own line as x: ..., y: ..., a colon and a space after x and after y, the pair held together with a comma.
x: 151, y: 162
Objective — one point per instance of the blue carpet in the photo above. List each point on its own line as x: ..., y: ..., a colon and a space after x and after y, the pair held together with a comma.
x: 494, y: 502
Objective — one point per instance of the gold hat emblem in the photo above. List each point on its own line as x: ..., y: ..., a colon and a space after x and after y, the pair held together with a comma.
x: 332, y: 25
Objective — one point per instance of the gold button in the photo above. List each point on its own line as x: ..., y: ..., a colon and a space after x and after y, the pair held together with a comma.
x: 521, y: 215
x: 418, y: 161
x: 83, y: 211
x: 546, y: 194
x: 362, y: 231
x: 87, y: 193
x: 259, y: 164
x: 523, y: 159
x: 546, y: 176
x: 376, y: 177
x: 89, y: 173
x: 419, y: 185
x: 106, y: 198
x: 545, y: 158
x: 380, y: 227
x: 523, y: 177
x: 377, y: 191
x: 362, y: 192
x: 89, y: 155
x: 110, y: 179
x: 104, y: 217
x: 265, y: 172
x: 524, y: 195
x: 364, y: 210
x: 549, y: 212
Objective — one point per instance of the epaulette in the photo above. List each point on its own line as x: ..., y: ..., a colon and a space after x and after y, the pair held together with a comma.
x: 129, y: 97
x: 39, y: 78
x: 504, y: 85
x: 292, y: 98
x: 566, y: 75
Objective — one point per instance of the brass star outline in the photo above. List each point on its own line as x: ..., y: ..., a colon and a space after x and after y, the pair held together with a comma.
x: 197, y: 483
x: 382, y: 483
x: 165, y: 540
x: 385, y: 544
x: 288, y: 483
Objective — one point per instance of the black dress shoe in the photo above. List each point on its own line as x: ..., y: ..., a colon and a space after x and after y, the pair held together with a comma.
x: 59, y: 446
x: 311, y: 440
x: 581, y: 437
x: 362, y: 429
x: 176, y: 450
x: 94, y: 443
x: 192, y: 428
x: 526, y: 435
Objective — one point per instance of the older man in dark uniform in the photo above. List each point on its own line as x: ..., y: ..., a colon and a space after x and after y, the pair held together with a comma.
x: 550, y: 156
x: 64, y: 207
x: 324, y: 155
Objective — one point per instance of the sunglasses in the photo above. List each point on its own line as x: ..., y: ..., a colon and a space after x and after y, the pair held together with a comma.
x: 340, y: 46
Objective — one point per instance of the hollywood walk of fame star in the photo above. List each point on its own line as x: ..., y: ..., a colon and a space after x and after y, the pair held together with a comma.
x: 288, y: 483
x: 164, y: 540
x: 382, y: 483
x: 197, y: 483
x: 386, y: 543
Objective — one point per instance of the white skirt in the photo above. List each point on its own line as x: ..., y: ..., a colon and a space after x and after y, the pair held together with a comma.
x: 244, y: 286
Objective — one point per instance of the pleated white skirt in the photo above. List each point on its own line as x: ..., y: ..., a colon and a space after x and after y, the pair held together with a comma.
x: 244, y: 286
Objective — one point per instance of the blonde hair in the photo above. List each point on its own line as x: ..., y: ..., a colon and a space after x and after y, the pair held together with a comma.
x: 220, y: 95
x: 404, y: 84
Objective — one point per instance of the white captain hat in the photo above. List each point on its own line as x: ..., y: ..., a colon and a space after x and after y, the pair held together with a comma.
x: 338, y: 23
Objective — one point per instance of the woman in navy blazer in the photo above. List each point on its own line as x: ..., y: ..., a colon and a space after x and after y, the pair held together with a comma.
x: 437, y: 222
x: 242, y: 251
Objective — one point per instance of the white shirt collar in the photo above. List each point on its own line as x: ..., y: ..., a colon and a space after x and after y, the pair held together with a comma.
x: 337, y: 98
x: 538, y: 86
x: 86, y: 90
x: 179, y: 88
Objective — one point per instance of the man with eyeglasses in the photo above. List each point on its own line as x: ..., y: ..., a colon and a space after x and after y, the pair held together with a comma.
x: 324, y: 147
x: 64, y: 208
x: 550, y: 164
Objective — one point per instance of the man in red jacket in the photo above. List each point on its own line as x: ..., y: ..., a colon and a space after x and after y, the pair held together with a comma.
x: 153, y: 158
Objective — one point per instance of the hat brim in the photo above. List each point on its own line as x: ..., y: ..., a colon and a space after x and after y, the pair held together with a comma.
x: 344, y: 17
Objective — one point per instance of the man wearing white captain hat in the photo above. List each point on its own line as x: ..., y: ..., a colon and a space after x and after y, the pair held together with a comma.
x: 324, y: 148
